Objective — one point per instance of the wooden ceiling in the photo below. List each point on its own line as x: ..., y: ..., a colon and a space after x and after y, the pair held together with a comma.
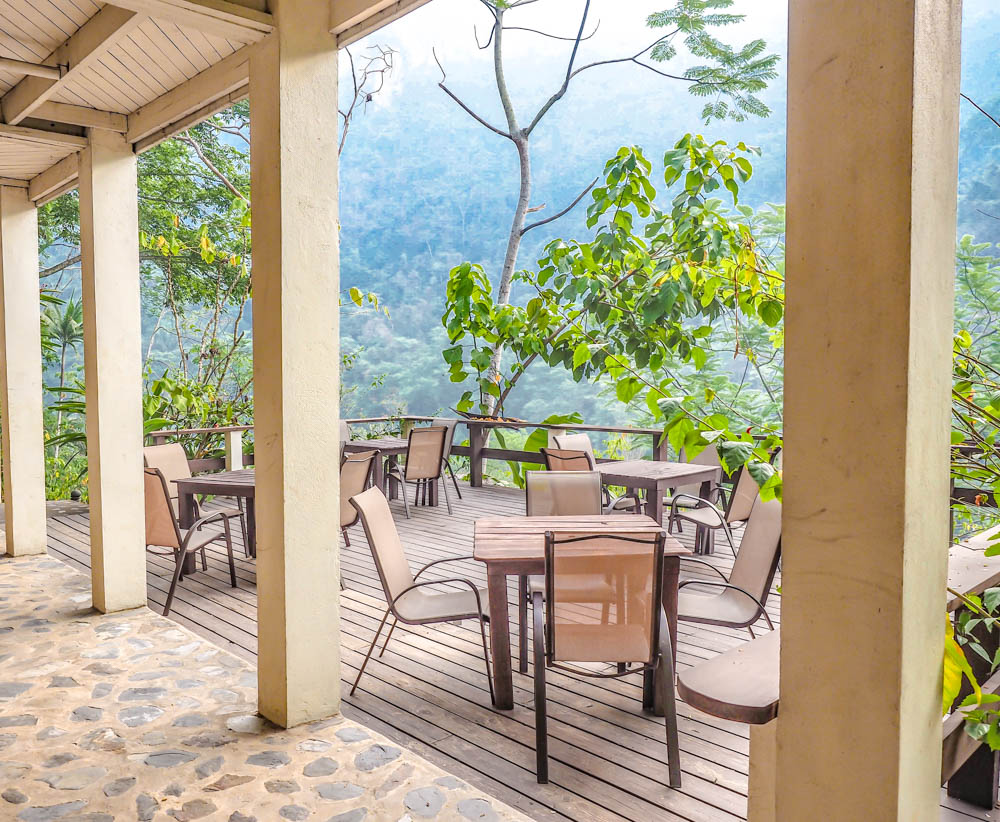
x: 144, y: 68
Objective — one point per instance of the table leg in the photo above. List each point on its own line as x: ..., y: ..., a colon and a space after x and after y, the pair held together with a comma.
x: 707, y: 545
x: 252, y: 526
x: 391, y: 490
x: 432, y: 492
x: 503, y: 680
x: 654, y: 503
x: 378, y: 475
x: 186, y: 517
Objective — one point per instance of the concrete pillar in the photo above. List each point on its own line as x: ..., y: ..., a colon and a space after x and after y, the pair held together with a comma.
x: 293, y: 89
x: 109, y: 246
x: 763, y: 753
x: 234, y: 450
x: 872, y: 168
x: 21, y: 375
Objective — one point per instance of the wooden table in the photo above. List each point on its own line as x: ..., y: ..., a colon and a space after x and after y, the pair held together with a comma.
x: 391, y: 448
x: 516, y: 546
x: 658, y: 477
x: 224, y: 484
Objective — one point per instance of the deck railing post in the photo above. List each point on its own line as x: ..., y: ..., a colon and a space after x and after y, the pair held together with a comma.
x: 661, y: 448
x: 477, y: 442
x: 234, y: 450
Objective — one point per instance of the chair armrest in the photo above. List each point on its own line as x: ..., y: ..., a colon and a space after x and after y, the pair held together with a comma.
x: 686, y: 558
x: 439, y: 562
x: 219, y: 516
x: 462, y: 580
x: 713, y: 583
x: 699, y: 503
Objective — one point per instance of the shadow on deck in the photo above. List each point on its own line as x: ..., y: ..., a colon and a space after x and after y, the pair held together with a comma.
x: 429, y: 691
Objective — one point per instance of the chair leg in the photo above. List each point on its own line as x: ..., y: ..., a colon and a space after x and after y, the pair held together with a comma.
x: 371, y: 648
x: 541, y: 723
x: 388, y: 636
x: 204, y: 560
x: 229, y: 552
x: 522, y: 623
x: 729, y: 537
x: 444, y: 485
x: 665, y: 672
x: 406, y: 503
x: 486, y: 658
x: 173, y: 582
x: 455, y: 481
x: 347, y: 539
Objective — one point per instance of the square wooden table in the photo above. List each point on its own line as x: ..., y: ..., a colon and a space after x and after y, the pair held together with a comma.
x: 657, y: 477
x: 516, y: 546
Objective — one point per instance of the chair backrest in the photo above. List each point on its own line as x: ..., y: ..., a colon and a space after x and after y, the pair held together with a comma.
x: 355, y: 473
x: 449, y: 424
x: 424, y: 452
x: 757, y: 560
x: 603, y: 595
x: 562, y: 493
x: 558, y: 459
x: 576, y: 442
x: 383, y: 539
x: 345, y: 432
x: 744, y: 495
x: 161, y: 527
x: 710, y: 456
x: 171, y: 461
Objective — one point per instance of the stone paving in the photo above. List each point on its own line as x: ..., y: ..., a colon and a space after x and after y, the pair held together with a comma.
x: 130, y: 717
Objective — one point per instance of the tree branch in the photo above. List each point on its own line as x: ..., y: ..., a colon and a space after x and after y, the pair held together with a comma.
x: 464, y: 107
x: 55, y: 269
x: 981, y: 110
x: 186, y: 138
x: 565, y: 211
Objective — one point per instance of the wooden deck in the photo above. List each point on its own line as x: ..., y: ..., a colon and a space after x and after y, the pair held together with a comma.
x: 429, y: 690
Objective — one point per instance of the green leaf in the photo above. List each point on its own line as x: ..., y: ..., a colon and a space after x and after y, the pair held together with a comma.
x: 734, y: 454
x: 581, y: 354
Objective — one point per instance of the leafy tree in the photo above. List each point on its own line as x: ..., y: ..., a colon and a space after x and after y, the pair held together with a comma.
x: 730, y: 77
x: 64, y: 327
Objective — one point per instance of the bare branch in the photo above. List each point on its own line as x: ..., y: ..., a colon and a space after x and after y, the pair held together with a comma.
x: 464, y: 107
x: 565, y: 211
x: 187, y: 138
x: 554, y: 36
x: 555, y: 98
x: 55, y: 269
x: 982, y: 111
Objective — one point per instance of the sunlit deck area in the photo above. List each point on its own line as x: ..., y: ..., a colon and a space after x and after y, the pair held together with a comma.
x: 429, y: 691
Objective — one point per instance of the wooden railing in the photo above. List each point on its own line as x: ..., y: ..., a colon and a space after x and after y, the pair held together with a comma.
x: 478, y: 450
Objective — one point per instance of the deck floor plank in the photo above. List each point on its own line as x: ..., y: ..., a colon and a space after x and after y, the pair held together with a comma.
x: 429, y: 691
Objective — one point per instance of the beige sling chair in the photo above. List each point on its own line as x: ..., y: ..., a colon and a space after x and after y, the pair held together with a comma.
x: 424, y: 458
x: 163, y: 532
x: 552, y: 494
x: 738, y: 602
x: 356, y: 472
x: 569, y: 634
x: 171, y: 461
x: 449, y: 438
x: 706, y: 516
x: 568, y: 451
x: 408, y: 600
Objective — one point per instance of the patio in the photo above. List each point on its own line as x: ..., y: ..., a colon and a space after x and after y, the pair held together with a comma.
x: 429, y: 692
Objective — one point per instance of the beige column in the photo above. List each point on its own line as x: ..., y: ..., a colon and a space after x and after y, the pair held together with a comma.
x: 293, y: 89
x: 763, y: 755
x: 109, y: 246
x: 872, y: 166
x: 21, y: 375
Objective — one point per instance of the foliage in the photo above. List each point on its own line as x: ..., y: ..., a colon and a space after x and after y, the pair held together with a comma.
x: 648, y: 291
x: 731, y: 77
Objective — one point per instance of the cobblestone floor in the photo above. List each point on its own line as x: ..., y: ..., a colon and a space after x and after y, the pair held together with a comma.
x: 130, y: 717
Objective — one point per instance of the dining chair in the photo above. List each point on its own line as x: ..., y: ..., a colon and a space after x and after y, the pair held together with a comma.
x: 740, y: 600
x: 580, y: 457
x: 162, y: 531
x: 569, y: 635
x: 552, y: 494
x: 356, y: 472
x: 171, y: 461
x: 449, y: 438
x: 408, y: 600
x: 424, y: 460
x: 345, y: 431
x: 706, y: 516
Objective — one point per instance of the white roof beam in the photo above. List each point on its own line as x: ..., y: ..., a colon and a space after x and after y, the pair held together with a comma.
x: 81, y: 116
x: 245, y: 21
x: 32, y: 69
x: 350, y: 20
x: 83, y: 48
x: 55, y: 180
